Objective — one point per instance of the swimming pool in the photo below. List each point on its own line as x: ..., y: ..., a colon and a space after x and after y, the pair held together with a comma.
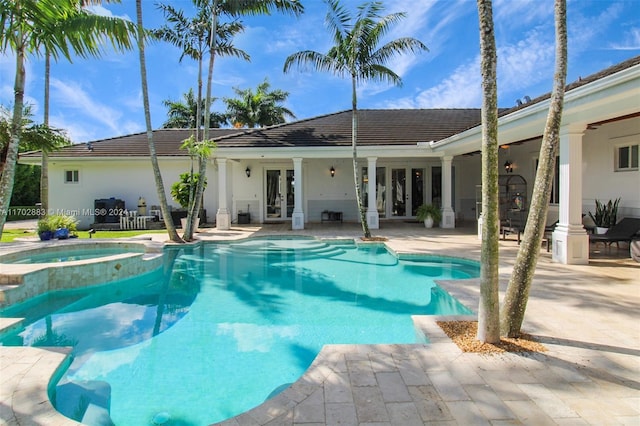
x: 226, y: 326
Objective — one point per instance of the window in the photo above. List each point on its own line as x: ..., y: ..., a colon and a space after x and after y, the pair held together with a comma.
x: 71, y: 176
x: 555, y: 186
x: 627, y: 157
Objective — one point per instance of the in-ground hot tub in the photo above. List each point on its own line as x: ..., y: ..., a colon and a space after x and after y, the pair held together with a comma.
x: 29, y: 271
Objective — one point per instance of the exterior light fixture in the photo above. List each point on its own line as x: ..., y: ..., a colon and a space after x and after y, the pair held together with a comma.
x: 248, y: 171
x: 332, y: 171
x: 508, y: 166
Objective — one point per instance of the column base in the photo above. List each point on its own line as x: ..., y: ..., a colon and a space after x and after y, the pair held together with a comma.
x: 480, y: 227
x: 448, y: 219
x: 373, y: 220
x: 570, y: 245
x: 223, y: 220
x: 297, y: 221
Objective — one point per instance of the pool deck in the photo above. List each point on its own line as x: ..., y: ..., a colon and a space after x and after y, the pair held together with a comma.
x: 586, y: 316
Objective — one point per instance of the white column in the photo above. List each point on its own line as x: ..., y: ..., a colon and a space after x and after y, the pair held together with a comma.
x: 448, y: 215
x: 223, y: 217
x: 570, y: 240
x: 373, y: 220
x: 297, y: 219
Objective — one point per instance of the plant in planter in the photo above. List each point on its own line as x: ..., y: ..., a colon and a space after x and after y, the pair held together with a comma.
x: 183, y: 191
x: 57, y: 226
x: 429, y: 214
x: 44, y: 229
x: 606, y: 215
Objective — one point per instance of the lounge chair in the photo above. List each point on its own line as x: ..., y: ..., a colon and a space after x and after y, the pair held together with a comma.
x: 624, y: 231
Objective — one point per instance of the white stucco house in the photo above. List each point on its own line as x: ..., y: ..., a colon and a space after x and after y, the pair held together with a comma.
x: 296, y: 171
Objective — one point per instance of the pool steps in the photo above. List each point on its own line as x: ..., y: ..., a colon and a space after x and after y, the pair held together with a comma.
x: 308, y: 248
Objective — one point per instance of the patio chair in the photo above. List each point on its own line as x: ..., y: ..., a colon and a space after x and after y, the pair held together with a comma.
x: 548, y: 232
x: 623, y: 231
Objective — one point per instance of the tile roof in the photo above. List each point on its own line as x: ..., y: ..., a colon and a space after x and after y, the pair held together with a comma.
x: 376, y: 127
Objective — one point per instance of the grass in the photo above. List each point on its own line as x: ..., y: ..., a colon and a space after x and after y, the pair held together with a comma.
x: 8, y: 235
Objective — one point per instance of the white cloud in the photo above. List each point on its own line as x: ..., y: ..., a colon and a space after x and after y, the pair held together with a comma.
x: 527, y: 62
x: 72, y: 96
x: 631, y: 41
x: 521, y: 13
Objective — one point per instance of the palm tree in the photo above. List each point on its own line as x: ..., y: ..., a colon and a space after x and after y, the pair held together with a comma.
x: 182, y: 114
x: 162, y: 196
x: 192, y: 35
x: 517, y: 294
x: 258, y: 109
x: 356, y: 54
x: 44, y: 166
x: 204, y: 34
x: 61, y: 28
x: 33, y: 136
x: 489, y: 305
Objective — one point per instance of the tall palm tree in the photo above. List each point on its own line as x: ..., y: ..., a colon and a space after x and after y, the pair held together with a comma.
x: 206, y: 35
x: 193, y: 36
x: 44, y: 165
x: 489, y: 305
x: 356, y: 54
x: 155, y: 166
x: 61, y: 28
x: 259, y: 108
x: 517, y: 295
x: 182, y: 114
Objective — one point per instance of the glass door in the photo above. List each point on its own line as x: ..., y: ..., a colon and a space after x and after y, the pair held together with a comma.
x: 417, y: 190
x: 279, y: 194
x: 399, y: 195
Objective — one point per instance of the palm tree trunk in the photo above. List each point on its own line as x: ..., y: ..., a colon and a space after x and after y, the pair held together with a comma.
x: 202, y: 161
x: 489, y: 306
x: 164, y: 207
x: 9, y: 167
x: 354, y: 144
x: 44, y: 166
x: 517, y: 295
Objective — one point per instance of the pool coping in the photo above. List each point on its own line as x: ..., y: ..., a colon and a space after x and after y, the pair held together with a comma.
x: 586, y: 376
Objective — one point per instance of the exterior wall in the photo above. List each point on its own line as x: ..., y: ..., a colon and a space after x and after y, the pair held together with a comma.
x: 127, y: 180
x: 600, y: 180
x: 130, y: 179
x: 323, y: 192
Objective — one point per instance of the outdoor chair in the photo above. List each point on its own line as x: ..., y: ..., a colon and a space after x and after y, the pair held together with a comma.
x: 623, y: 231
x: 548, y: 232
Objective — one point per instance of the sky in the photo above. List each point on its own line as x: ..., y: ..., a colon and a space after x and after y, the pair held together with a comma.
x: 93, y: 99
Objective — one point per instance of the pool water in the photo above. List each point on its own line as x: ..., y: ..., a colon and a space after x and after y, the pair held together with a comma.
x: 226, y: 326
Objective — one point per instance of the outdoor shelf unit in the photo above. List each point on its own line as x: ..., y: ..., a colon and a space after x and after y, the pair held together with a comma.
x: 512, y: 196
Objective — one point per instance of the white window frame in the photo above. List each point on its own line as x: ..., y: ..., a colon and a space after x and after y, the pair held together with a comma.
x: 75, y: 176
x: 555, y: 185
x: 630, y: 157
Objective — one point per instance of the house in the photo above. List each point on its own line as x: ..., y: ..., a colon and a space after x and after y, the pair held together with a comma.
x: 296, y: 171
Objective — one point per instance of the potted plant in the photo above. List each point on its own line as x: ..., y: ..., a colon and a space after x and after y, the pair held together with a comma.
x: 606, y: 215
x: 45, y: 229
x: 184, y: 190
x: 428, y: 213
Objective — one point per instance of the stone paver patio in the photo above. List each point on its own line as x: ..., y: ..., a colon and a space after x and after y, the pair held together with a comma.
x: 587, y: 317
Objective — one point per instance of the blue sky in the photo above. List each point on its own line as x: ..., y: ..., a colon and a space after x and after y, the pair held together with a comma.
x: 101, y: 98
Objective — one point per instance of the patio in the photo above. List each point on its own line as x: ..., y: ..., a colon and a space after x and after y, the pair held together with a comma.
x: 585, y: 315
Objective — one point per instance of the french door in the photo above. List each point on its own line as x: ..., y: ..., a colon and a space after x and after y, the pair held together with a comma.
x: 403, y: 194
x: 279, y: 194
